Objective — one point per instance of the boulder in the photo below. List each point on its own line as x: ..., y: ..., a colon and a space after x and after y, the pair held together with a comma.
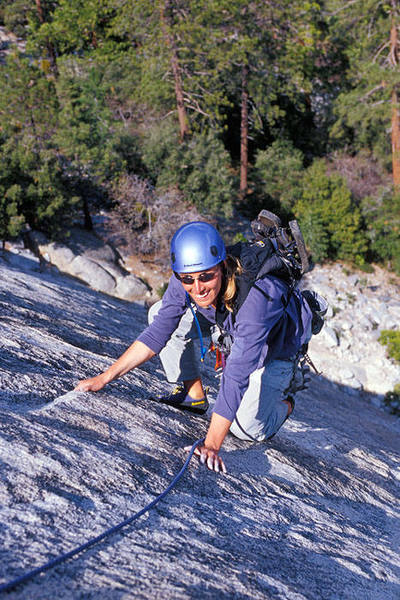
x: 352, y: 280
x: 328, y: 292
x: 87, y: 243
x: 360, y: 373
x: 345, y: 343
x: 85, y: 256
x: 345, y: 324
x: 376, y: 316
x: 329, y: 336
x: 93, y: 274
x: 394, y: 311
x: 131, y: 287
x: 345, y: 373
x: 59, y: 255
x: 329, y: 312
x: 389, y: 322
x: 365, y: 323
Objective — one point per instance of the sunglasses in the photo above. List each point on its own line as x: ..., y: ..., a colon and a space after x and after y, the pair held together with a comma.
x: 203, y: 277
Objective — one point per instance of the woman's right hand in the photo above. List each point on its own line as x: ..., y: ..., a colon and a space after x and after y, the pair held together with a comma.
x: 94, y: 384
x: 136, y: 355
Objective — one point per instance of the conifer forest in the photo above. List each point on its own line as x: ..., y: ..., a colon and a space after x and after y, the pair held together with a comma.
x: 204, y: 108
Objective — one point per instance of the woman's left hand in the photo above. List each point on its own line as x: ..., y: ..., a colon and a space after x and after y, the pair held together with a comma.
x: 209, y: 457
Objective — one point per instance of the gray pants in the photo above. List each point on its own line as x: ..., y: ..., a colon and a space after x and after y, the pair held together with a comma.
x: 262, y: 410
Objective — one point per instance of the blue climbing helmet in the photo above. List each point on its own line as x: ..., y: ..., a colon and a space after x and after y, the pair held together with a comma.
x: 196, y: 246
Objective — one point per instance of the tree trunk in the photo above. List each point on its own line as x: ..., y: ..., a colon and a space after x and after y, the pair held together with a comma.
x: 88, y: 223
x: 166, y: 23
x: 183, y: 121
x: 394, y: 59
x: 50, y: 47
x: 395, y: 139
x: 244, y: 133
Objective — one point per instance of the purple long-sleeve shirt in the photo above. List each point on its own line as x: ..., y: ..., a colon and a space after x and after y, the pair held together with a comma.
x: 264, y: 329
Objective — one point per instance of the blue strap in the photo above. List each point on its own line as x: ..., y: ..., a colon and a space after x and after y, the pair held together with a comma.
x: 203, y: 350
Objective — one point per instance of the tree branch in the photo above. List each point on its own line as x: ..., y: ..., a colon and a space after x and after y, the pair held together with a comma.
x: 380, y: 50
x: 344, y: 7
x: 381, y: 86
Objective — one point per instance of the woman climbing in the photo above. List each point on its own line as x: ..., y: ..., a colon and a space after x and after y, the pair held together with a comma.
x: 261, y: 338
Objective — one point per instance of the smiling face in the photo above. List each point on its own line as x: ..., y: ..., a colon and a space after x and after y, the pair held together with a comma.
x: 204, y: 286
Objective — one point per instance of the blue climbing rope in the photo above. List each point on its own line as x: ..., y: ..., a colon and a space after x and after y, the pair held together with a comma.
x: 203, y: 350
x: 5, y: 587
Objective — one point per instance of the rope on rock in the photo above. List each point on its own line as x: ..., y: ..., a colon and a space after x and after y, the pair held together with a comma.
x: 5, y: 587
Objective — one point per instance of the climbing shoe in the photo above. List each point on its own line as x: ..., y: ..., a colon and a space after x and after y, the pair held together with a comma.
x: 179, y: 398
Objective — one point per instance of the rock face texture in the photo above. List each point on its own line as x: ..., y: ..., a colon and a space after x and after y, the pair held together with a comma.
x: 312, y: 514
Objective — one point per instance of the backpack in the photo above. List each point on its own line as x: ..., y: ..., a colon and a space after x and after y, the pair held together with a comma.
x: 274, y: 251
x: 289, y: 258
x: 277, y: 251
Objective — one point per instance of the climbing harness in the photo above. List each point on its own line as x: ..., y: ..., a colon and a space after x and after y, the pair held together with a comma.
x: 213, y: 347
x: 5, y: 587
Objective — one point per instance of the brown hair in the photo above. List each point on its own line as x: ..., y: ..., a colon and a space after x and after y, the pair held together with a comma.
x: 232, y: 267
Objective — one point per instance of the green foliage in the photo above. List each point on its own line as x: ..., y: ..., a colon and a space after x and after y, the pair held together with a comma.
x: 162, y: 289
x: 33, y: 190
x: 157, y: 146
x: 31, y: 176
x: 10, y: 221
x: 277, y: 177
x: 14, y: 15
x: 367, y: 268
x: 143, y: 40
x: 49, y: 204
x: 260, y: 35
x: 28, y: 103
x: 208, y: 42
x: 239, y: 237
x: 383, y: 223
x: 198, y: 167
x: 363, y: 108
x: 87, y: 135
x: 392, y: 400
x: 391, y: 339
x: 107, y: 111
x: 72, y: 26
x: 329, y: 219
x: 128, y: 151
x: 84, y: 134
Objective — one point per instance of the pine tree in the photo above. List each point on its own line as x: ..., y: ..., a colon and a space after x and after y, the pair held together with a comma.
x: 14, y: 14
x: 85, y: 135
x: 329, y: 219
x: 31, y: 175
x: 369, y: 107
x: 153, y: 30
x: 70, y: 26
x: 11, y: 221
x: 258, y: 52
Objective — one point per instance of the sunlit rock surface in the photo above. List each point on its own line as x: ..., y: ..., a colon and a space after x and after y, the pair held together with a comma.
x: 312, y: 514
